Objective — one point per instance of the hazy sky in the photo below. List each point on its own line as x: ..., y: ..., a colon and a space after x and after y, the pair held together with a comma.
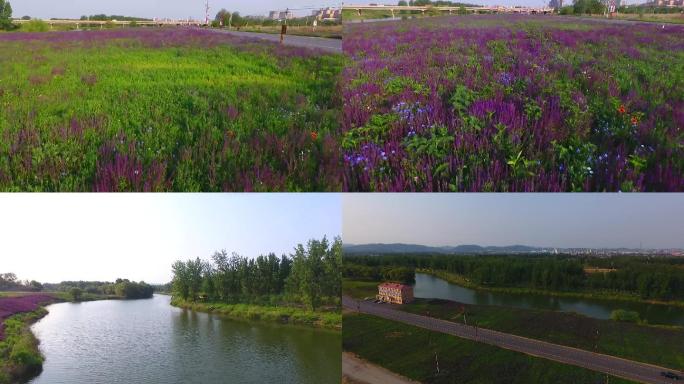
x: 55, y: 237
x: 559, y: 220
x: 159, y: 8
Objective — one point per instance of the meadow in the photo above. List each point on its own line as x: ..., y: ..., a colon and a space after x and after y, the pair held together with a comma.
x: 166, y: 110
x: 513, y: 103
x: 413, y: 352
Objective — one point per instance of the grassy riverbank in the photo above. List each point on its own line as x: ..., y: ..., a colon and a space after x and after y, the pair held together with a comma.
x: 660, y: 345
x: 595, y: 295
x: 286, y: 315
x: 410, y: 351
x: 20, y: 358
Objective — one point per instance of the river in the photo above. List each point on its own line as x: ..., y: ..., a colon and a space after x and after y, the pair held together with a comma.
x: 149, y: 341
x: 428, y: 286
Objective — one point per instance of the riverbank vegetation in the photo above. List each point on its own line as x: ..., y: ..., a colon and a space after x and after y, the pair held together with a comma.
x: 633, y: 278
x: 20, y: 357
x: 659, y: 345
x: 414, y: 352
x: 303, y: 288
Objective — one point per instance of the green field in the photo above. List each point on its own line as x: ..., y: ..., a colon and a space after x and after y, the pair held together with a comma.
x: 410, y: 351
x: 165, y: 110
x: 657, y: 345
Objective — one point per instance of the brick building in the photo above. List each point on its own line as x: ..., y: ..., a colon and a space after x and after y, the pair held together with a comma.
x: 395, y: 293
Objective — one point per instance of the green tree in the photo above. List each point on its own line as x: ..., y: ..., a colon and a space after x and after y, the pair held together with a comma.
x: 180, y: 283
x: 6, y: 15
x: 76, y: 293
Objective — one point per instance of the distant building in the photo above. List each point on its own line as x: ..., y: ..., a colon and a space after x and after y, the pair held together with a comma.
x: 395, y: 293
x: 669, y: 3
x: 281, y: 15
x: 331, y: 14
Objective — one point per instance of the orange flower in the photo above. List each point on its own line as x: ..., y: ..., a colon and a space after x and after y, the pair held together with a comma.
x: 314, y: 135
x: 635, y: 120
x: 622, y: 109
x: 231, y: 134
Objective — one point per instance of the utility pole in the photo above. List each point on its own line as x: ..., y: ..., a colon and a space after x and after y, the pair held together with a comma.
x: 206, y: 12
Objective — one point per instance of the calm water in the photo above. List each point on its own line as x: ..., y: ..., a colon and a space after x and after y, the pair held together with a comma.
x: 149, y: 341
x: 428, y: 286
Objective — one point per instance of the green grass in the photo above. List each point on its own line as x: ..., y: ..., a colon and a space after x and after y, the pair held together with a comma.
x: 169, y: 109
x: 20, y: 357
x: 359, y: 289
x: 410, y: 351
x: 286, y: 315
x: 659, y: 345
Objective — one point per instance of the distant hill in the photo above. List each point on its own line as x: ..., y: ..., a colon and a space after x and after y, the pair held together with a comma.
x: 471, y: 249
x: 415, y: 248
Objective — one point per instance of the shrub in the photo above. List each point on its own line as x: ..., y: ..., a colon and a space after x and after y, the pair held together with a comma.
x: 35, y: 26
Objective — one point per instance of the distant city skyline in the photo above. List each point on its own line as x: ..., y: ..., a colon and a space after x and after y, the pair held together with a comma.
x: 56, y: 237
x: 177, y: 9
x: 539, y: 220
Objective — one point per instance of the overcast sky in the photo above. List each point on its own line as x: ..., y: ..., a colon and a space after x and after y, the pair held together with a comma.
x: 554, y: 219
x: 55, y: 237
x: 159, y: 8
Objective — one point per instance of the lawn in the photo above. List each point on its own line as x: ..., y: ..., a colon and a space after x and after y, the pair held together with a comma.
x: 359, y: 289
x: 166, y: 110
x: 414, y: 352
x: 513, y: 103
x: 657, y: 345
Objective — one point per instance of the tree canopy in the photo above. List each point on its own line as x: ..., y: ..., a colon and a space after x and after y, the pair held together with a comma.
x: 310, y: 276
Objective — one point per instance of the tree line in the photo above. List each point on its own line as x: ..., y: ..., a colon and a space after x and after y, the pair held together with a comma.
x: 310, y: 276
x: 121, y: 287
x: 649, y: 277
x: 402, y: 275
x: 10, y: 282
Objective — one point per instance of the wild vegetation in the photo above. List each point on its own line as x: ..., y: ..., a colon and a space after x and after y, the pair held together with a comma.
x: 166, y: 110
x: 299, y: 288
x: 645, y: 278
x: 513, y: 103
x: 414, y: 352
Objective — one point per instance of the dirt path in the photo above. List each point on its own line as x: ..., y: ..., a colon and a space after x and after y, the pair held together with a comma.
x: 361, y: 371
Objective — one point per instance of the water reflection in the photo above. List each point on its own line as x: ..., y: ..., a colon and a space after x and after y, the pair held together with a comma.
x: 428, y: 286
x: 148, y: 341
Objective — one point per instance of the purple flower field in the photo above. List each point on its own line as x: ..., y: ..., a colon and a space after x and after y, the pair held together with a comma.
x: 513, y: 103
x: 12, y: 305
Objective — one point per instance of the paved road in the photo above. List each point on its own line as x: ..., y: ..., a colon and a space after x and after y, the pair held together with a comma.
x: 329, y: 45
x: 615, y: 366
x: 365, y: 372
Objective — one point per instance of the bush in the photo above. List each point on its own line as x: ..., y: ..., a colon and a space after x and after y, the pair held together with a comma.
x: 626, y: 316
x: 35, y: 26
x: 569, y: 10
